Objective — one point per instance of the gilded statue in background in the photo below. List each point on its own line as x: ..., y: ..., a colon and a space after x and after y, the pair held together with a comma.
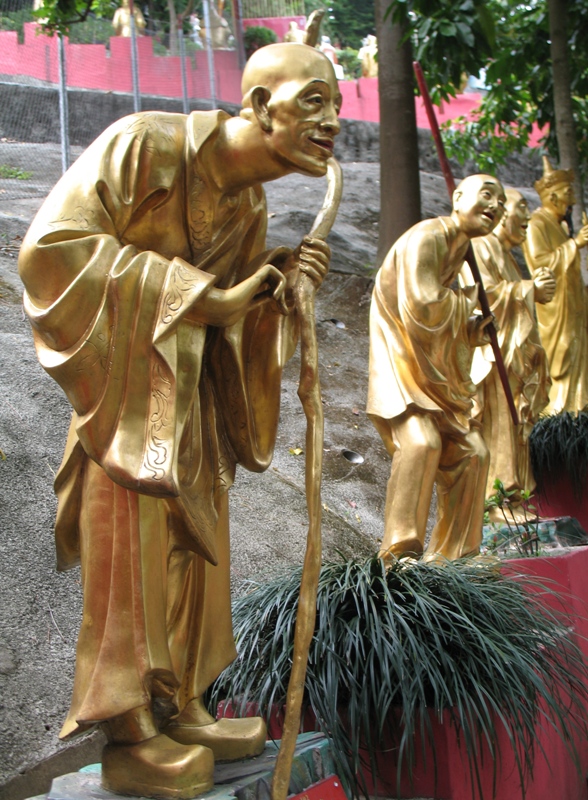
x: 422, y: 336
x: 121, y: 22
x: 512, y: 302
x: 563, y: 322
x: 157, y: 308
x: 368, y: 57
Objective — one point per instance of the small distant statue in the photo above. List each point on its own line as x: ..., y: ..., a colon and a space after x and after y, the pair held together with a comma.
x: 294, y: 33
x: 512, y: 301
x: 121, y: 22
x: 563, y: 322
x: 423, y: 332
x: 367, y: 55
x: 327, y: 48
x: 220, y: 31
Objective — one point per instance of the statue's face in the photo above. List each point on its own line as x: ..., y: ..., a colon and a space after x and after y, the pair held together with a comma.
x: 304, y: 120
x: 516, y: 218
x: 479, y: 204
x: 561, y: 198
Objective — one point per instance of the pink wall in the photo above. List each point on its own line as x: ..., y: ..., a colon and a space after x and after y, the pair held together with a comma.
x: 92, y: 66
x: 279, y: 25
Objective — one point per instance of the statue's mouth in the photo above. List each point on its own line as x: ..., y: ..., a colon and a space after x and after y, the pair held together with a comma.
x: 325, y: 143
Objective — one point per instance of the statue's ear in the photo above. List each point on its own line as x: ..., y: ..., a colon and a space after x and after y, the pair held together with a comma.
x: 259, y: 98
x: 456, y: 197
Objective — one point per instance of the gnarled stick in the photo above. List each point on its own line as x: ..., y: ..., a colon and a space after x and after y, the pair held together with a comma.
x: 309, y: 392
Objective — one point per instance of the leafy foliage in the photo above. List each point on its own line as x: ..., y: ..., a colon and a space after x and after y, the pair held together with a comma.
x: 57, y: 16
x: 559, y: 446
x: 394, y: 647
x: 524, y: 535
x: 348, y: 21
x: 258, y: 36
x: 510, y: 40
x: 7, y: 171
x: 450, y: 38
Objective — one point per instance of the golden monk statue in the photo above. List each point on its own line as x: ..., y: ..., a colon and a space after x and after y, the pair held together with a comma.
x: 422, y: 336
x: 220, y: 31
x: 512, y: 301
x: 368, y: 57
x: 121, y: 22
x: 294, y: 33
x: 157, y: 308
x: 563, y: 322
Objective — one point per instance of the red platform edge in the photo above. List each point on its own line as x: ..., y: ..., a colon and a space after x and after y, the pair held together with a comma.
x: 555, y: 776
x: 328, y: 789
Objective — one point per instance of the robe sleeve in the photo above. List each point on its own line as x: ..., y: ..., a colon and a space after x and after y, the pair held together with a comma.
x: 435, y: 317
x: 105, y: 313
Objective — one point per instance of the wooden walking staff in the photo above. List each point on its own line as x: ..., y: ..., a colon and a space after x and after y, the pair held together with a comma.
x: 469, y: 256
x: 309, y: 392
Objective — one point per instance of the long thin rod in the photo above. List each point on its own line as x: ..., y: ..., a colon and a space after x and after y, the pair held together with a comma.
x: 209, y: 53
x: 469, y: 257
x: 63, y: 105
x: 134, y: 61
x: 185, y: 106
x: 309, y: 392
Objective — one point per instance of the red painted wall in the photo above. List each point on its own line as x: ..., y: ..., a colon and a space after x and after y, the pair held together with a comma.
x: 92, y: 66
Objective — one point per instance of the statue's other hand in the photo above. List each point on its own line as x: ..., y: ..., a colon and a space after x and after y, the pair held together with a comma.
x: 582, y: 237
x: 545, y: 286
x: 224, y: 307
x: 477, y: 333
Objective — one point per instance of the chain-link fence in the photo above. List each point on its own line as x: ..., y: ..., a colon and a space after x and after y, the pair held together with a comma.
x: 64, y: 92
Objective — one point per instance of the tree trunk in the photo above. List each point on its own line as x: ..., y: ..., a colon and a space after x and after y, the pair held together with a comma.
x: 400, y: 194
x: 565, y: 128
x: 173, y: 28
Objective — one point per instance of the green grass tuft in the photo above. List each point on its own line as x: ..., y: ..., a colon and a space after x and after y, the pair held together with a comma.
x: 399, y: 644
x: 7, y: 171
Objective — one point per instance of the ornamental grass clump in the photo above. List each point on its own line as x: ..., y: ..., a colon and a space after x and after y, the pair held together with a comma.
x: 558, y: 445
x: 394, y: 648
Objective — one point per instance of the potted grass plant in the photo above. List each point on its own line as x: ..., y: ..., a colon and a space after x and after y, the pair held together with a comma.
x: 559, y: 458
x: 397, y: 651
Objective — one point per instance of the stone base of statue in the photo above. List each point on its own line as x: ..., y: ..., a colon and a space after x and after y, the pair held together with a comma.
x: 245, y: 780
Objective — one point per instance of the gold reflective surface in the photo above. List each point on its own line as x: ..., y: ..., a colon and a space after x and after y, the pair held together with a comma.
x: 121, y: 22
x: 156, y: 307
x: 512, y: 301
x: 422, y: 337
x: 563, y: 322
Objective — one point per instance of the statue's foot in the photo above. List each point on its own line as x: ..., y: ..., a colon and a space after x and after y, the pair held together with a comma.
x: 405, y: 547
x: 229, y: 739
x: 157, y: 767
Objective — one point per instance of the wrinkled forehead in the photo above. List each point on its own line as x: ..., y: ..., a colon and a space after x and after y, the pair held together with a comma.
x: 475, y: 183
x: 287, y: 69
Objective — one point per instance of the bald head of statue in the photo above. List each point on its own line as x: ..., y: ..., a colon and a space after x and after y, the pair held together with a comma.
x: 478, y: 204
x: 291, y: 92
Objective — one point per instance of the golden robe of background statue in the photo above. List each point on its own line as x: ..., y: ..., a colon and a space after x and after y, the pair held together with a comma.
x: 156, y: 307
x: 512, y: 301
x: 121, y: 22
x: 563, y: 322
x: 422, y: 336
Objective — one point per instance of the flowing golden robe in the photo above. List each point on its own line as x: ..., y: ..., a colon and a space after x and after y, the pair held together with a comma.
x: 512, y: 301
x: 562, y: 322
x: 420, y: 360
x: 164, y: 407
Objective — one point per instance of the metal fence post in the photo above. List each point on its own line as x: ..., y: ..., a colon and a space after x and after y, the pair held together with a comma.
x: 63, y: 106
x: 185, y: 105
x: 134, y: 60
x: 209, y: 53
